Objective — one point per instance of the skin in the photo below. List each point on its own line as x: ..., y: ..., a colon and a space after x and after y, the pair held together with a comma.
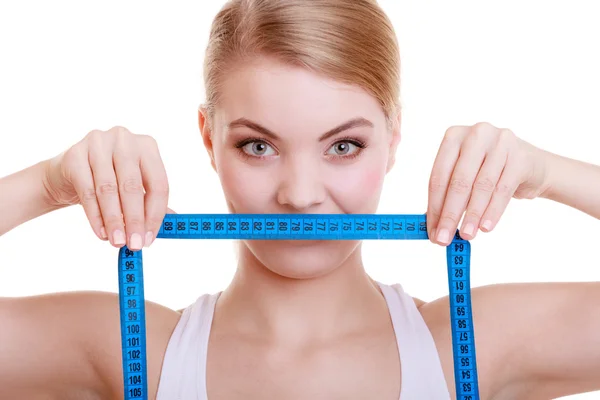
x: 286, y: 308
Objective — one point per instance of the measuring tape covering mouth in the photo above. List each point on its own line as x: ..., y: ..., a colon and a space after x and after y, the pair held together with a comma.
x: 296, y: 227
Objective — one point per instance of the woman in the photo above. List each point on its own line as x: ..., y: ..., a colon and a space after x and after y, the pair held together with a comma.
x: 302, y: 116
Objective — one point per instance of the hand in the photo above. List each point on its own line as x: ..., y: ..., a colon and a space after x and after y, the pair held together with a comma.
x: 477, y: 170
x: 119, y: 179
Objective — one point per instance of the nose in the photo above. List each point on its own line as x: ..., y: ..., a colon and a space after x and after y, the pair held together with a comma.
x: 301, y: 186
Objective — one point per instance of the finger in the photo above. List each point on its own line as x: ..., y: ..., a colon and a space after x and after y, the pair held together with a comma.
x: 507, y: 185
x: 83, y: 183
x: 131, y: 193
x: 107, y: 192
x: 459, y: 190
x: 171, y: 211
x: 156, y: 199
x: 483, y: 188
x: 443, y: 166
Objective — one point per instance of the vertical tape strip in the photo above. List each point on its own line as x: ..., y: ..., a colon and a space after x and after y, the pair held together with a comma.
x: 133, y: 324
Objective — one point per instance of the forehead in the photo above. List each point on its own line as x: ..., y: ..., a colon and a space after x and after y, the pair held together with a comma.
x: 293, y: 99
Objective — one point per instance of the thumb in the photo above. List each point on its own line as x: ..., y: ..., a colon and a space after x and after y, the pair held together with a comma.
x: 169, y: 211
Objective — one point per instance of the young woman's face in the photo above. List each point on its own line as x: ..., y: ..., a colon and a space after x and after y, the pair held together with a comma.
x: 286, y: 140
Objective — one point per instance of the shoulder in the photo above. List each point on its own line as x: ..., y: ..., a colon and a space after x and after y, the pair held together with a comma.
x: 105, y: 338
x: 90, y: 336
x: 500, y: 313
x: 436, y: 315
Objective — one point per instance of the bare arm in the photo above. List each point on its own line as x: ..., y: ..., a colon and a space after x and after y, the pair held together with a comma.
x: 24, y: 196
x: 574, y: 183
x: 68, y: 346
x: 534, y: 341
x: 45, y: 347
x: 549, y: 334
x: 556, y: 346
x: 551, y: 329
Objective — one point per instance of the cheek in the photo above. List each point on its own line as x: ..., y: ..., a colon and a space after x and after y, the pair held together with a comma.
x: 358, y: 191
x: 372, y: 180
x: 245, y: 188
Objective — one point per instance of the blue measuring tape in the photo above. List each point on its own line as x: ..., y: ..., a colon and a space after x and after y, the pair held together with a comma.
x: 296, y: 227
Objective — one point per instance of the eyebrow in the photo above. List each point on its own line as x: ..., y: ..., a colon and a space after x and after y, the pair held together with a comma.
x: 353, y: 123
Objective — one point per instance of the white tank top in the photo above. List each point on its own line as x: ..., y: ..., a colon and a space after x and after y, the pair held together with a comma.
x: 183, y: 375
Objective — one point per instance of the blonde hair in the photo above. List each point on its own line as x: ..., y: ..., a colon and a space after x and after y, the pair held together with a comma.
x: 350, y: 41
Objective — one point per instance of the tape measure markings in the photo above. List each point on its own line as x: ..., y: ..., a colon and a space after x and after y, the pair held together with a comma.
x: 458, y: 255
x: 296, y: 227
x: 133, y: 323
x: 293, y: 226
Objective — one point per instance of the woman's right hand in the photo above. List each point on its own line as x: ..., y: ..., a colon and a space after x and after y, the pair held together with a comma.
x: 119, y: 179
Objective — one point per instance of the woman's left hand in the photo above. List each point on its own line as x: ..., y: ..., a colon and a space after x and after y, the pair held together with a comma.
x: 477, y: 170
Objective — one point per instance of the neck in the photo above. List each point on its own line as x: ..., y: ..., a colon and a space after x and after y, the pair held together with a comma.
x: 261, y: 302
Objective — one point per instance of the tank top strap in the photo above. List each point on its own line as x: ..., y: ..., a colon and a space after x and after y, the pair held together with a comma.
x: 422, y: 376
x: 183, y: 375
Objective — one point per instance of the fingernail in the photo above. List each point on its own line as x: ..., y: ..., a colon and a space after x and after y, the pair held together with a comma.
x: 136, y: 241
x: 468, y: 230
x: 148, y: 239
x: 103, y: 233
x: 487, y: 225
x: 118, y: 237
x: 443, y: 236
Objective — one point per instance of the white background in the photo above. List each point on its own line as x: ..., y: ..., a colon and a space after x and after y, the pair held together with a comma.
x: 69, y: 67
